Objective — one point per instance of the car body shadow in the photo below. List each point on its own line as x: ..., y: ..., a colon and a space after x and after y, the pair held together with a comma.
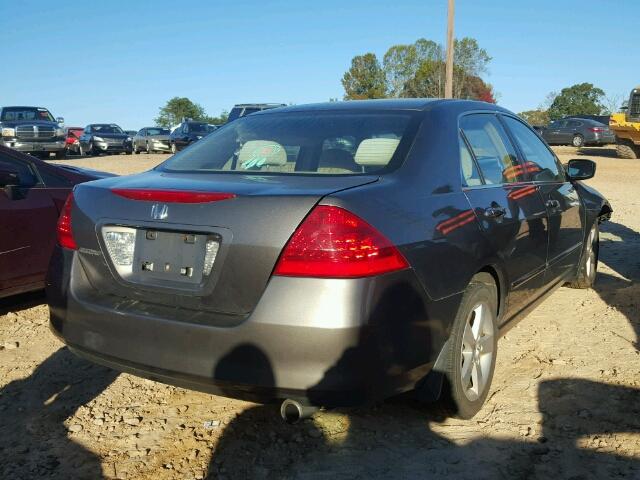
x: 23, y: 301
x: 621, y: 291
x: 597, y: 152
x: 34, y: 441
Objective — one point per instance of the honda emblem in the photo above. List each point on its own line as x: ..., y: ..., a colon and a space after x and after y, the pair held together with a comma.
x: 159, y: 211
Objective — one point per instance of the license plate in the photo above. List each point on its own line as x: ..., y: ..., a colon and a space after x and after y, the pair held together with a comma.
x: 161, y: 257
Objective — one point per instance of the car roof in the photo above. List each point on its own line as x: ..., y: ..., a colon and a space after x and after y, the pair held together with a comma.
x: 390, y: 104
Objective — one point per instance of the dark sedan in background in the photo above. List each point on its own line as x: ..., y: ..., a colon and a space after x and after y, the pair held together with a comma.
x: 578, y: 132
x: 150, y: 140
x: 327, y: 254
x: 188, y: 132
x: 99, y: 138
x: 32, y: 193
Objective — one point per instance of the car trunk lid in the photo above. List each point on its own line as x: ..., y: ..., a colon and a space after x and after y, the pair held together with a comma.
x: 241, y: 236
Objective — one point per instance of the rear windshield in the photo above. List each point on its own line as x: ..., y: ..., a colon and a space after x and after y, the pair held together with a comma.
x: 301, y: 143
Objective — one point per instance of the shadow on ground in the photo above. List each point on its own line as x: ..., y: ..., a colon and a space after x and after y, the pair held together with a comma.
x: 597, y: 152
x: 24, y: 301
x: 34, y: 441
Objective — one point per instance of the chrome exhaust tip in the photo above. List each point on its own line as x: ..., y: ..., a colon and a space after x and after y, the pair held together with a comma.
x: 292, y: 411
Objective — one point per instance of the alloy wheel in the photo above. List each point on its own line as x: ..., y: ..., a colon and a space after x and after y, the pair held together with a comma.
x: 477, y: 351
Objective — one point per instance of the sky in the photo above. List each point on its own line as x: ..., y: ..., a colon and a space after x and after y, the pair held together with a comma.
x: 120, y: 61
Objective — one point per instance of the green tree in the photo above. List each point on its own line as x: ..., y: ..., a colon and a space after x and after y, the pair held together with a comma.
x: 469, y: 61
x: 535, y: 117
x: 365, y: 79
x: 579, y: 99
x: 176, y: 109
x: 219, y: 120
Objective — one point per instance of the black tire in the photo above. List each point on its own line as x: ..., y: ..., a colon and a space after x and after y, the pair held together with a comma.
x: 61, y: 154
x: 578, y: 141
x: 454, y: 399
x: 588, y: 267
x: 92, y: 150
x: 624, y: 150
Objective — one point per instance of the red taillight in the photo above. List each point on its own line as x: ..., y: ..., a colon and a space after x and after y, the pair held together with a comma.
x: 334, y: 243
x: 597, y: 129
x: 65, y: 232
x: 171, y: 196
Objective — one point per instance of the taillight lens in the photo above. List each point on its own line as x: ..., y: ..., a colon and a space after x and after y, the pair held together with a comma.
x: 65, y: 232
x: 597, y: 129
x: 171, y: 196
x: 334, y: 243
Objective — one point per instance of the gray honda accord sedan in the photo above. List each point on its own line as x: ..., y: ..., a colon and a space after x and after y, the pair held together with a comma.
x: 325, y: 255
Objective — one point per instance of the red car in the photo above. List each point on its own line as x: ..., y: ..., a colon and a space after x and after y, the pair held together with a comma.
x: 32, y: 192
x: 71, y: 143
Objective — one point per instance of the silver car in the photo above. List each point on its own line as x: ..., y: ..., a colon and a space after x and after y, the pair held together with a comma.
x: 151, y: 139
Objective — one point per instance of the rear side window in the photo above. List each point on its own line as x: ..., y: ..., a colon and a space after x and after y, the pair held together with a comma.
x: 540, y: 163
x: 301, y: 143
x: 470, y: 174
x: 495, y: 155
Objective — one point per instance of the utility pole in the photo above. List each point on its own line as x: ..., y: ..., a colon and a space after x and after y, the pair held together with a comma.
x: 448, y: 82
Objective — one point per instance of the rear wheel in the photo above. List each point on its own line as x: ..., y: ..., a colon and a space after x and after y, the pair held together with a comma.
x: 627, y: 150
x: 588, y: 268
x: 471, y: 358
x: 578, y: 141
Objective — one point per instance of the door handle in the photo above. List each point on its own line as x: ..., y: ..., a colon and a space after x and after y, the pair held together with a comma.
x: 494, y: 212
x: 552, y: 204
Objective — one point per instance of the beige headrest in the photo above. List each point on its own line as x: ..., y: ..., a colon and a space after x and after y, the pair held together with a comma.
x: 376, y: 151
x: 260, y: 153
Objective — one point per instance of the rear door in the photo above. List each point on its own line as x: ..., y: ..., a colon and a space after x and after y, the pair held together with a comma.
x: 509, y: 207
x: 27, y: 229
x: 566, y: 216
x: 552, y: 133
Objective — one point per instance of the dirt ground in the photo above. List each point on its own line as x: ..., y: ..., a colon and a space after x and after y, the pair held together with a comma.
x: 565, y: 400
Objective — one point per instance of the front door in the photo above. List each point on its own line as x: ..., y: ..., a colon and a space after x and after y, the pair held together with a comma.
x: 566, y: 216
x: 27, y: 229
x: 510, y: 209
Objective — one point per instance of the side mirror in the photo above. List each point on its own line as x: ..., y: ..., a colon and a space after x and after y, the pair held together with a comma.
x: 8, y: 176
x: 580, y: 169
x: 60, y: 120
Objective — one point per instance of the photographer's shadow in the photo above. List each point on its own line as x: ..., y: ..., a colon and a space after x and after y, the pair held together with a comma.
x: 34, y: 441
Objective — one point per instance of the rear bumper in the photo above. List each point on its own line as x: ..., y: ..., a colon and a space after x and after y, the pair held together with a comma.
x: 599, y: 139
x: 331, y: 342
x: 28, y: 147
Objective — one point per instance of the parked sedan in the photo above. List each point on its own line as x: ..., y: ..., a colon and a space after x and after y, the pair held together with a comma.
x: 186, y: 133
x: 330, y: 254
x: 101, y: 138
x: 72, y: 142
x: 151, y: 139
x: 578, y: 132
x: 32, y: 193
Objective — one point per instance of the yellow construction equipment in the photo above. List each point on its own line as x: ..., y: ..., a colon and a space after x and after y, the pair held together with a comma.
x: 626, y: 127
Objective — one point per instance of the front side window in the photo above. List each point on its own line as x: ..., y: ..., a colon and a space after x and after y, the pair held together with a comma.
x: 300, y: 143
x: 540, y: 163
x: 494, y: 153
